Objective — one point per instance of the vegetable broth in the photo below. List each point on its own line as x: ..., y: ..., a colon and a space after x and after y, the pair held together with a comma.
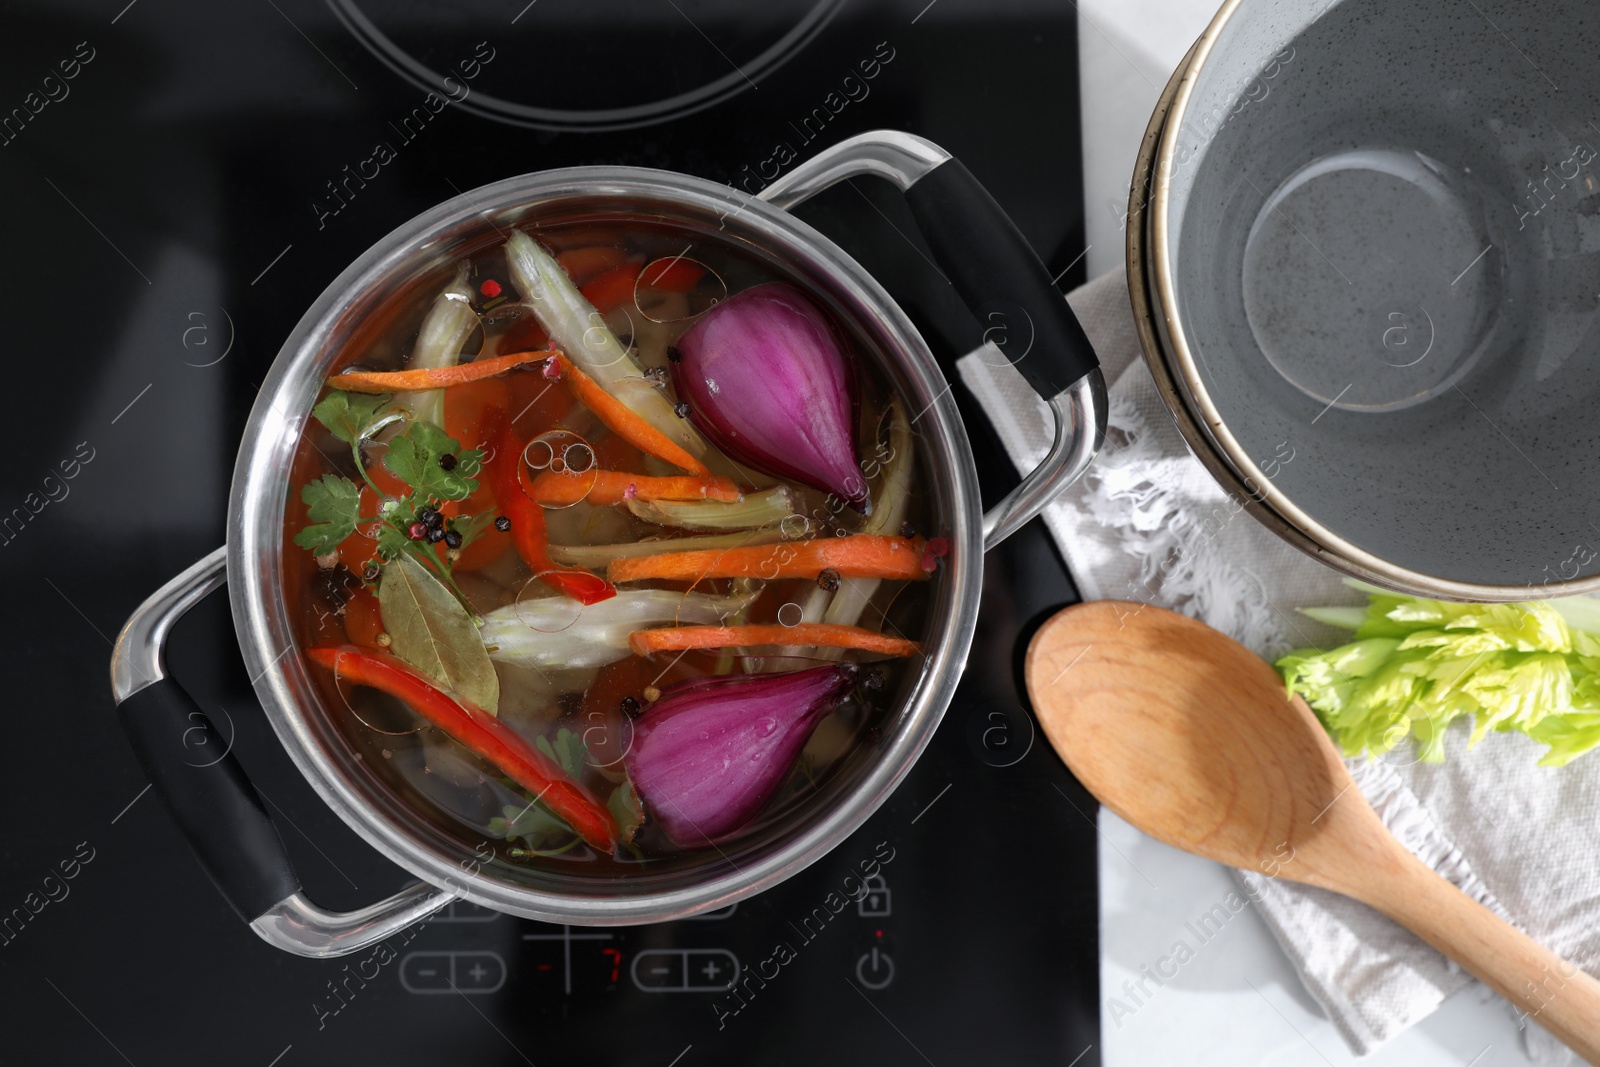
x: 582, y: 712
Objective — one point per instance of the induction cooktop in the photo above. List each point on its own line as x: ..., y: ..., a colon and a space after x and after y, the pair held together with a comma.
x: 180, y: 181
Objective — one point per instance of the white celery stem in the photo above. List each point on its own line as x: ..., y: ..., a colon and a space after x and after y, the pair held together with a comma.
x: 447, y: 326
x: 581, y: 332
x: 888, y: 515
x: 595, y: 557
x: 555, y: 633
x: 754, y: 509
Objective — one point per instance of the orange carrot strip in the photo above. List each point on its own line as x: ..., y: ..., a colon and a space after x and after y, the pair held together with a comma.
x: 554, y: 489
x: 623, y: 422
x: 812, y: 634
x: 856, y: 556
x: 402, y: 381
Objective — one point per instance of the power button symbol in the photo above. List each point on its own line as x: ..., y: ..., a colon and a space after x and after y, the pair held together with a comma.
x: 875, y: 969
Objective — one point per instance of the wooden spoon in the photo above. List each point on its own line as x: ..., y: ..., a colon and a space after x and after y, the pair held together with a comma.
x: 1192, y: 738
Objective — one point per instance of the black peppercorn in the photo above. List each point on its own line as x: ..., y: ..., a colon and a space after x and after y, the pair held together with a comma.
x: 502, y: 523
x: 907, y: 530
x: 673, y: 355
x: 872, y: 681
x: 435, y: 534
x: 447, y: 461
x: 630, y: 707
x: 452, y: 539
x: 681, y: 409
x: 371, y: 571
x: 828, y: 578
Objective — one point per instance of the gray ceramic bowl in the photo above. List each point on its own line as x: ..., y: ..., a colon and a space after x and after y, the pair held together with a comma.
x: 1373, y: 275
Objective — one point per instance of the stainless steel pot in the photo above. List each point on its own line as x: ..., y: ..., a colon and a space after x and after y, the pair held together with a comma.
x: 990, y: 265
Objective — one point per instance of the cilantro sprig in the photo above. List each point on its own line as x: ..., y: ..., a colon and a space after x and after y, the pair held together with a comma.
x: 333, y: 502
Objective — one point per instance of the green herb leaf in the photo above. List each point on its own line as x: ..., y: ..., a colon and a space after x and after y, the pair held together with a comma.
x: 392, y: 542
x: 432, y: 632
x: 414, y: 459
x: 351, y: 417
x: 569, y: 751
x: 472, y: 528
x: 625, y: 808
x: 532, y: 822
x: 334, y: 505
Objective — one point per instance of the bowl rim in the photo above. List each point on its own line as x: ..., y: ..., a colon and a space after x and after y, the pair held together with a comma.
x: 1195, y: 412
x: 260, y: 487
x: 1152, y: 348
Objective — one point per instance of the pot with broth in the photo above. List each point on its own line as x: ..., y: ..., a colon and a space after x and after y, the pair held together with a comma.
x: 608, y: 545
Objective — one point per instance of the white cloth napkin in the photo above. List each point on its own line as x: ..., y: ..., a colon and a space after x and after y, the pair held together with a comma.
x: 1148, y: 523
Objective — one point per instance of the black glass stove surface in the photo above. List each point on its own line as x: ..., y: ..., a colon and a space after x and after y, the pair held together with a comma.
x: 180, y: 181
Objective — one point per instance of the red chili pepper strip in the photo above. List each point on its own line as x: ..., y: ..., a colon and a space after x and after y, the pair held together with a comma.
x: 528, y: 528
x: 482, y: 733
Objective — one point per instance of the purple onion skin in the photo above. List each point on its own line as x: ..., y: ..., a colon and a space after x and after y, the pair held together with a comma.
x: 708, y: 754
x: 768, y: 381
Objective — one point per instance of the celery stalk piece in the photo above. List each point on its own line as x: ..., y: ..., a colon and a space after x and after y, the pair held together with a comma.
x: 1342, y: 618
x: 448, y: 325
x: 798, y: 657
x: 1416, y: 665
x: 557, y: 633
x: 595, y: 557
x: 888, y: 515
x: 754, y: 510
x: 1580, y: 612
x: 581, y: 332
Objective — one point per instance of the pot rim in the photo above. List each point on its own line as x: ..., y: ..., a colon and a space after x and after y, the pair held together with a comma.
x: 1195, y: 411
x: 259, y: 490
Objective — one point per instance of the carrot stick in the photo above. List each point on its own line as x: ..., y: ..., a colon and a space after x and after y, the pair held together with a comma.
x: 856, y: 556
x: 814, y: 634
x: 403, y: 381
x: 600, y: 487
x: 622, y: 421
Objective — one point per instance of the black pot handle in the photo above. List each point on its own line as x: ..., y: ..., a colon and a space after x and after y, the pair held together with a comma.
x: 193, y: 771
x: 1000, y: 279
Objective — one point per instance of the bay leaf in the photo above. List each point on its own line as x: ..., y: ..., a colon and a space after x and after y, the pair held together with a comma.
x: 431, y: 631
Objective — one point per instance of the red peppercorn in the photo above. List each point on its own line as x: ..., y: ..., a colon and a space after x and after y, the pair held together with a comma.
x: 490, y: 288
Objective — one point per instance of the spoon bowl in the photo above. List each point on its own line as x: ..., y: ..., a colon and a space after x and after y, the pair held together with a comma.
x: 1192, y: 738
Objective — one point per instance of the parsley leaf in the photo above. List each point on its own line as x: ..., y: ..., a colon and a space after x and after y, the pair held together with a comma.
x: 569, y: 751
x: 533, y: 822
x: 536, y: 820
x: 352, y: 416
x: 391, y: 540
x: 334, y: 505
x: 472, y: 528
x: 414, y: 459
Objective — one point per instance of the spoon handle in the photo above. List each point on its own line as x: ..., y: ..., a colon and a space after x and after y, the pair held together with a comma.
x: 1545, y: 988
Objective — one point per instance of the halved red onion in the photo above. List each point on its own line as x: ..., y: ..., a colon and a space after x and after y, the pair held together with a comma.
x: 768, y: 381
x: 710, y: 753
